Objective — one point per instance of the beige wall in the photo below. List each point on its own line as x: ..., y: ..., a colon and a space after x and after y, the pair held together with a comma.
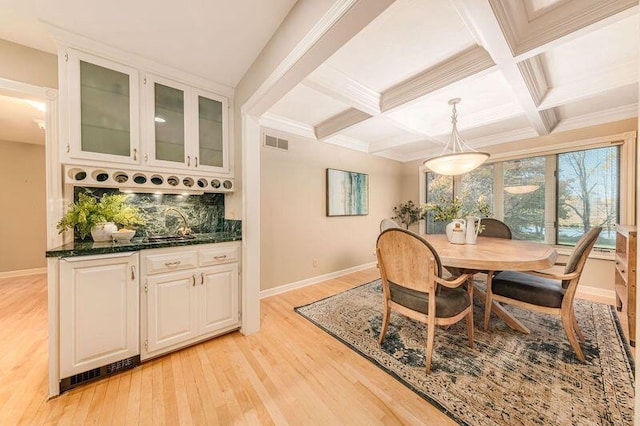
x: 22, y: 215
x: 294, y: 226
x: 27, y: 65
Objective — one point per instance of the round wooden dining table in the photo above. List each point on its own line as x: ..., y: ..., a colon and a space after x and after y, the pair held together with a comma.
x: 494, y: 254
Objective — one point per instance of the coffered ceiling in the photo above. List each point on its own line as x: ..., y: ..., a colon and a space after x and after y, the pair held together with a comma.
x: 522, y: 68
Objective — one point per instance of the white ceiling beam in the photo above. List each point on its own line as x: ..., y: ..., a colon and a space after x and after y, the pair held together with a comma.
x: 345, y: 19
x: 532, y: 71
x: 620, y: 75
x: 338, y: 85
x: 385, y: 145
x: 600, y: 117
x: 529, y: 37
x: 339, y: 122
x: 283, y: 124
x: 479, y: 15
x: 467, y: 63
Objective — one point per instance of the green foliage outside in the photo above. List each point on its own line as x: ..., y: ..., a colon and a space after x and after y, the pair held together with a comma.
x: 88, y: 212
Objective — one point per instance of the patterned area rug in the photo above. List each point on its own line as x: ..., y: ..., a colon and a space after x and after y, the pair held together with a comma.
x: 508, y: 378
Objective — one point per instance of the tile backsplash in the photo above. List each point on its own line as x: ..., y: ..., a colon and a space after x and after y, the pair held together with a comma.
x: 204, y: 213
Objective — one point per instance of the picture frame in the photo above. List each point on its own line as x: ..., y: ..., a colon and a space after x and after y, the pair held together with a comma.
x: 347, y: 193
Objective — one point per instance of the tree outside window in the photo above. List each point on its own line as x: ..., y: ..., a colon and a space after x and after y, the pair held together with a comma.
x: 525, y: 213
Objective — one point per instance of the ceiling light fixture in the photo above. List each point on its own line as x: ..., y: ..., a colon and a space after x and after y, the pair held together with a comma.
x: 521, y: 189
x: 520, y: 186
x: 458, y: 161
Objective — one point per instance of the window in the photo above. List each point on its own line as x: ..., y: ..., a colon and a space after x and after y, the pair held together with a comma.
x: 552, y: 198
x: 524, y: 212
x: 588, y: 188
x: 439, y: 188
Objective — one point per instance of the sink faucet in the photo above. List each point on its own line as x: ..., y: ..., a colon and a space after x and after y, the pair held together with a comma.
x: 184, y: 230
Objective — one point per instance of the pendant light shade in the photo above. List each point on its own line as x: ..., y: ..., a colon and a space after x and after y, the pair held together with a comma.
x: 458, y: 161
x: 521, y: 189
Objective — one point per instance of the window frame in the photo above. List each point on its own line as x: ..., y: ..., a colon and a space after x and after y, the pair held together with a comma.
x: 627, y: 183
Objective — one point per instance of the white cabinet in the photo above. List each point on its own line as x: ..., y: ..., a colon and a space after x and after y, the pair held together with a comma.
x: 103, y: 109
x: 171, y: 309
x: 183, y: 303
x: 126, y: 115
x: 184, y: 127
x: 98, y: 311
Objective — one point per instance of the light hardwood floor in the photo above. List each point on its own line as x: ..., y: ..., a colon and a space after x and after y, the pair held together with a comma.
x: 290, y: 372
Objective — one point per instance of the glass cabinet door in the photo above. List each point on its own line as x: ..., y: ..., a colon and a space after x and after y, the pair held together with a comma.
x: 104, y: 109
x: 169, y: 123
x: 212, y: 132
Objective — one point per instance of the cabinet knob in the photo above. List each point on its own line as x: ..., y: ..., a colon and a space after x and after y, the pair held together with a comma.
x: 188, y: 161
x: 135, y: 154
x: 194, y: 280
x: 201, y: 278
x: 224, y: 256
x: 170, y: 264
x: 196, y: 161
x: 133, y: 272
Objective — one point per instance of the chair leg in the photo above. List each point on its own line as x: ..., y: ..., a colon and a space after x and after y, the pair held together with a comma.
x: 470, y: 326
x: 431, y: 331
x: 385, y: 323
x: 567, y: 323
x: 576, y: 327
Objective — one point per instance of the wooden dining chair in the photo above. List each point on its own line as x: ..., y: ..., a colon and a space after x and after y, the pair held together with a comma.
x: 388, y: 224
x: 549, y: 293
x: 413, y: 286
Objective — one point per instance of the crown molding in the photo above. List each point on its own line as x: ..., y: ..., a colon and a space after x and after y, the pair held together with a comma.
x: 341, y: 121
x: 525, y: 38
x: 593, y: 119
x: 619, y: 75
x: 465, y: 64
x: 532, y: 71
x: 391, y: 156
x: 334, y: 83
x: 348, y: 142
x: 283, y: 124
x: 66, y: 39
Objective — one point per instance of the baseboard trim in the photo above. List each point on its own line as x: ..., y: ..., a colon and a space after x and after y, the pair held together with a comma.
x: 313, y: 280
x: 23, y: 272
x: 595, y: 293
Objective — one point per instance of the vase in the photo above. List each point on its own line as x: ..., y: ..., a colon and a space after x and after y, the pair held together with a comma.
x: 456, y: 231
x: 102, y: 231
x: 472, y: 229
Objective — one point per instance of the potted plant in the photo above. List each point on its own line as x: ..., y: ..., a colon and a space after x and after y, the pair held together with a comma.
x: 407, y: 213
x: 100, y: 217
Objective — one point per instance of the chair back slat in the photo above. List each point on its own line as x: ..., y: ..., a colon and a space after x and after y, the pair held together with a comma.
x: 580, y: 253
x: 408, y: 260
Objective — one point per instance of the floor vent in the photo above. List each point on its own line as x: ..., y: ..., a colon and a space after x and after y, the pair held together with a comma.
x: 69, y: 383
x: 274, y: 142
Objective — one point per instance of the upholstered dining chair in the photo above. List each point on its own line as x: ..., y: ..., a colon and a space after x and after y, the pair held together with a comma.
x: 412, y: 284
x: 549, y: 293
x: 388, y: 224
x: 495, y: 228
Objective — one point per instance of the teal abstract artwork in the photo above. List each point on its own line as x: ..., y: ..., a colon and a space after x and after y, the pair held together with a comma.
x: 347, y: 193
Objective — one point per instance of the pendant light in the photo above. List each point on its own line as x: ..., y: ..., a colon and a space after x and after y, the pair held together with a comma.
x: 458, y: 161
x: 521, y: 186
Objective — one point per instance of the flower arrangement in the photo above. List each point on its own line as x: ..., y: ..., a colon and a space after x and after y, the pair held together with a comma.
x: 88, y: 212
x: 447, y: 210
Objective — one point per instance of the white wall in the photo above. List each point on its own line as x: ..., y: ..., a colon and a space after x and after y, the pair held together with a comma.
x: 27, y: 65
x: 294, y: 226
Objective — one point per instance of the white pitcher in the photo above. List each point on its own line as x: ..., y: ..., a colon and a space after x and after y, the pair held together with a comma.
x: 472, y: 229
x: 456, y: 231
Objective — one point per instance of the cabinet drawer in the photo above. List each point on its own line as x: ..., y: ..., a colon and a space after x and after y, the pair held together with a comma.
x: 167, y: 262
x: 219, y: 255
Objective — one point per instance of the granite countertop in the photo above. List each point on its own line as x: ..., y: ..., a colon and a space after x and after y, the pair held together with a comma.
x: 88, y: 248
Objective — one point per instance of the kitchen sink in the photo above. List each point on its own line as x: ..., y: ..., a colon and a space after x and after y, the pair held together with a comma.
x: 155, y: 238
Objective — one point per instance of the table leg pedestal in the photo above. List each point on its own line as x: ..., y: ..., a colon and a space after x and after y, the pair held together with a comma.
x: 501, y: 312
